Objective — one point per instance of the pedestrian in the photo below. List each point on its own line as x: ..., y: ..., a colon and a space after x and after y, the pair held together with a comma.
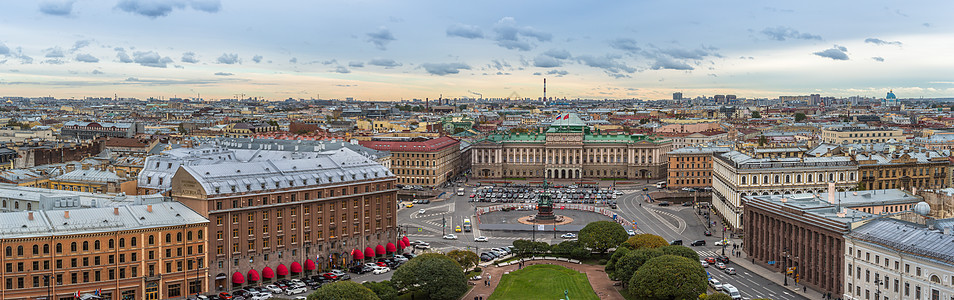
x: 804, y: 289
x: 485, y: 283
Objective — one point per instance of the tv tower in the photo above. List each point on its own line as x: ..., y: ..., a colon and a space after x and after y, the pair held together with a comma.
x: 544, y: 91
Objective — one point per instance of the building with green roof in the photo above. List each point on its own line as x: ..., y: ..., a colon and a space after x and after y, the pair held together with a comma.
x: 569, y: 149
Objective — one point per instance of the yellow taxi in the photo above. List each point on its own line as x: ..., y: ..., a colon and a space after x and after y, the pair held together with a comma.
x: 409, y: 205
x: 457, y: 229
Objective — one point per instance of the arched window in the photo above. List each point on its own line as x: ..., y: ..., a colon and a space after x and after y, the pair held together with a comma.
x: 4, y: 203
x: 776, y: 179
x: 798, y: 178
x: 765, y: 179
x: 29, y: 206
x: 59, y: 248
x: 36, y: 249
x: 132, y: 241
x: 168, y: 238
x: 122, y: 243
x: 189, y: 236
x: 85, y: 245
x: 152, y: 240
x: 9, y: 251
x: 19, y: 250
x: 841, y: 176
x: 96, y: 245
x: 73, y: 246
x: 935, y: 279
x: 198, y: 233
x: 755, y: 180
x: 831, y: 177
x: 743, y: 179
x: 46, y: 249
x: 112, y: 243
x: 788, y: 178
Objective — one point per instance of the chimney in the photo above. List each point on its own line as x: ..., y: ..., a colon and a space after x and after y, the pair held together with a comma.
x: 149, y: 208
x: 831, y: 193
x: 66, y: 214
x: 30, y: 216
x: 116, y: 211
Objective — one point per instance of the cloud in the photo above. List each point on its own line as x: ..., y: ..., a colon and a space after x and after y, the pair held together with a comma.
x: 878, y: 58
x: 835, y: 53
x: 342, y: 70
x: 625, y: 44
x: 24, y: 59
x: 150, y: 59
x: 557, y: 53
x: 465, y: 31
x: 97, y: 72
x: 293, y: 60
x: 694, y: 54
x: 85, y: 57
x: 122, y: 56
x: 80, y: 44
x: 229, y: 59
x: 534, y: 73
x: 880, y: 42
x: 57, y: 8
x: 442, y: 69
x: 54, y: 52
x: 384, y: 62
x: 189, y: 57
x: 346, y: 85
x: 257, y: 58
x: 54, y: 61
x: 162, y: 8
x: 356, y: 64
x: 557, y: 72
x: 330, y: 62
x: 665, y: 62
x: 4, y: 50
x: 223, y: 74
x: 513, y: 37
x: 500, y: 65
x: 781, y: 33
x: 381, y: 38
x: 609, y: 63
x: 543, y: 61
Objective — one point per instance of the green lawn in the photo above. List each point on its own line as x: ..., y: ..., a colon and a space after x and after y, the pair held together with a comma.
x: 543, y: 282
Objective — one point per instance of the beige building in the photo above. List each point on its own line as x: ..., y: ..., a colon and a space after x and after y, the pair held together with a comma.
x: 858, y: 135
x: 569, y: 150
x: 428, y: 162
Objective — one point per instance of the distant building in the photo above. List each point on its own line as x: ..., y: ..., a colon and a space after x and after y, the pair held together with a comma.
x: 429, y: 162
x: 93, y: 130
x: 677, y: 96
x: 692, y: 166
x: 860, y: 135
x: 248, y: 129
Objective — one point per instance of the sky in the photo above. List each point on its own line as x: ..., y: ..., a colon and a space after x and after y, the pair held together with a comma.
x: 394, y: 50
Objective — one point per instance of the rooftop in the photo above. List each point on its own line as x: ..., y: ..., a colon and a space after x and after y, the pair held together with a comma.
x: 907, y: 237
x: 430, y: 145
x: 97, y: 219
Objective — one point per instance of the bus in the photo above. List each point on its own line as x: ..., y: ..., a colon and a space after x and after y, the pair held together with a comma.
x: 661, y: 185
x: 460, y: 191
x: 467, y: 226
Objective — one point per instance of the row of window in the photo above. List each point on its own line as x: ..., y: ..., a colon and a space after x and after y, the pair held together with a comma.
x: 292, y: 197
x: 777, y: 179
x: 97, y: 260
x: 74, y: 246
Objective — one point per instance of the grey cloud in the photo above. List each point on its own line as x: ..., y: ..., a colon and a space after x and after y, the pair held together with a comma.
x: 257, y: 58
x: 346, y: 85
x: 625, y: 44
x: 513, y: 37
x: 878, y: 41
x: 54, y: 52
x: 57, y: 8
x: 381, y: 38
x: 96, y: 72
x: 330, y: 62
x: 664, y: 62
x: 534, y: 73
x: 384, y: 62
x: 465, y: 31
x: 24, y: 59
x: 80, y: 45
x: 342, y: 70
x: 189, y: 57
x: 502, y: 73
x: 4, y: 50
x: 608, y: 63
x: 223, y: 74
x: 442, y: 69
x: 151, y: 59
x: 356, y: 64
x: 229, y: 59
x: 557, y: 53
x: 500, y: 65
x: 293, y: 60
x: 54, y: 61
x: 85, y: 57
x: 781, y: 33
x: 835, y: 53
x: 695, y: 54
x: 557, y: 72
x: 162, y: 8
x: 878, y: 58
x: 543, y: 61
x: 123, y: 57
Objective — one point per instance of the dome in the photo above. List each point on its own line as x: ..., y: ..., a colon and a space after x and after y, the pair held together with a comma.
x: 922, y: 208
x: 891, y: 95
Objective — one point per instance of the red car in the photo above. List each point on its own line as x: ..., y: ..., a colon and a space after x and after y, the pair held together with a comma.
x: 711, y: 260
x: 224, y: 295
x: 382, y: 264
x: 329, y: 276
x: 472, y: 195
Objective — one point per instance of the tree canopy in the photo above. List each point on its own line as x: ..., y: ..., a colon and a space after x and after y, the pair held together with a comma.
x: 628, y: 264
x: 611, y: 264
x: 717, y: 296
x: 466, y: 259
x: 800, y: 117
x: 384, y: 289
x: 679, y: 250
x: 756, y: 115
x: 669, y: 277
x: 343, y: 290
x: 602, y: 235
x: 526, y: 247
x: 436, y: 275
x: 645, y: 240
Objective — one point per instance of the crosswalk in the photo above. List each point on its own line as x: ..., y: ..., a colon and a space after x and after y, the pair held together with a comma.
x: 708, y: 253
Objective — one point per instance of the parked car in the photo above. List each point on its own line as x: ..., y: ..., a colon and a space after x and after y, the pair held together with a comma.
x: 360, y: 269
x: 698, y: 243
x: 631, y: 232
x: 381, y: 270
x: 296, y: 290
x: 480, y: 239
x: 687, y: 204
x: 486, y: 257
x: 224, y: 295
x: 730, y: 271
x: 423, y: 245
x: 409, y: 255
x: 715, y: 283
x: 450, y: 237
x: 676, y: 242
x: 568, y: 235
x: 722, y: 258
x: 273, y: 288
x: 663, y: 203
x: 710, y: 260
x: 707, y: 233
x: 723, y: 243
x: 704, y: 264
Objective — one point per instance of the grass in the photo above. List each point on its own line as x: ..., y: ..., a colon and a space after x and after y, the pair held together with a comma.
x: 543, y: 282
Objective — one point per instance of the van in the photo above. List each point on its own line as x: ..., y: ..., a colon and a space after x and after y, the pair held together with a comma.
x: 732, y: 291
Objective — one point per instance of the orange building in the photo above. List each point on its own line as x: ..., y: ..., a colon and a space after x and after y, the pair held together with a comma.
x: 692, y: 166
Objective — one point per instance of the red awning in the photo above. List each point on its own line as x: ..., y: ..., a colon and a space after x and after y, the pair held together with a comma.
x: 391, y: 248
x: 357, y: 254
x: 295, y: 267
x: 369, y: 252
x: 267, y: 273
x: 379, y: 249
x: 309, y: 265
x: 252, y: 275
x: 282, y: 270
x: 401, y: 244
x: 237, y: 278
x: 407, y: 242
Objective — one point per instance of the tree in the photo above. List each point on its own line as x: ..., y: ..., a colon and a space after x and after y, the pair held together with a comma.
x: 466, y: 259
x: 343, y: 290
x: 527, y: 248
x: 462, y: 106
x: 668, y: 277
x: 602, y: 235
x: 436, y: 275
x: 611, y: 264
x: 763, y: 140
x: 756, y: 115
x: 716, y: 296
x: 459, y: 130
x: 627, y: 265
x: 645, y: 240
x: 680, y: 250
x: 800, y: 117
x: 384, y: 289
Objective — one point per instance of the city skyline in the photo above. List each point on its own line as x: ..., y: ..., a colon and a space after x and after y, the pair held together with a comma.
x: 390, y: 51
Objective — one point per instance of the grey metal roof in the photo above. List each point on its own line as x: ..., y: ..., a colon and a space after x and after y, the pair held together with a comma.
x: 90, y: 175
x: 93, y: 220
x: 908, y: 237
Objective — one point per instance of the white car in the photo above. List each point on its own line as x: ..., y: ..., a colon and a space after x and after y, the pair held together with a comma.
x: 370, y: 265
x: 568, y: 236
x: 704, y: 263
x: 480, y: 239
x: 273, y: 288
x: 450, y: 237
x: 423, y: 245
x: 293, y: 291
x: 723, y: 243
x: 715, y: 283
x: 631, y: 232
x: 381, y: 270
x: 421, y: 212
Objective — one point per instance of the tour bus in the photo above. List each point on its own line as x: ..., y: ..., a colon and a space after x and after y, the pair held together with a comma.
x: 661, y: 185
x: 460, y: 191
x: 467, y: 227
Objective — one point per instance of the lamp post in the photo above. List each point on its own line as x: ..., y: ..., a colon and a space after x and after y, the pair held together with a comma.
x: 49, y: 286
x: 785, y: 256
x: 877, y: 283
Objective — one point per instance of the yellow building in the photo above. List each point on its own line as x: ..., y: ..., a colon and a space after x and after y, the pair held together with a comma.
x: 858, y: 135
x: 381, y: 125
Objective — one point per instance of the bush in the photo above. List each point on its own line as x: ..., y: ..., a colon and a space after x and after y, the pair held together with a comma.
x: 602, y: 261
x: 668, y: 277
x: 478, y: 269
x: 435, y: 275
x: 627, y: 265
x: 611, y: 264
x: 344, y: 290
x: 645, y: 240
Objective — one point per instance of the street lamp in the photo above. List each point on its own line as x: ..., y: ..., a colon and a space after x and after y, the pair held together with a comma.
x: 785, y: 256
x: 877, y: 283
